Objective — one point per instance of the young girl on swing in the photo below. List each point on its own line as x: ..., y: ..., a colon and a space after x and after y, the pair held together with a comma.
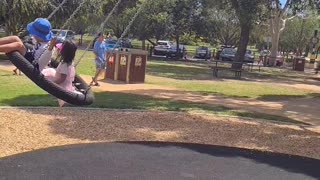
x: 64, y: 74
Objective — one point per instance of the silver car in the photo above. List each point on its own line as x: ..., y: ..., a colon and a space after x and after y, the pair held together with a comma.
x: 203, y: 52
x: 63, y: 35
x: 162, y: 47
x: 228, y: 54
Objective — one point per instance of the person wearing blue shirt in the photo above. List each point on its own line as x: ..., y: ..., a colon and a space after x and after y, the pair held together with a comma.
x: 99, y: 49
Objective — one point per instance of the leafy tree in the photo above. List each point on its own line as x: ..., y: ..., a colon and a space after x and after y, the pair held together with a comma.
x: 218, y: 26
x: 280, y: 14
x: 15, y: 14
x: 153, y: 22
x: 122, y: 16
x: 182, y: 15
x: 297, y: 35
x: 258, y: 32
x: 248, y: 13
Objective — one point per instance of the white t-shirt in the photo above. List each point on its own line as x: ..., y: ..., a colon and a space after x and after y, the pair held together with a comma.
x: 42, y: 55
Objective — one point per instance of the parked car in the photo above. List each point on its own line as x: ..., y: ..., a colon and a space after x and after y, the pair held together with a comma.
x: 111, y: 43
x: 125, y: 43
x: 203, y: 52
x: 227, y: 54
x: 248, y: 57
x: 162, y: 47
x: 220, y: 50
x: 172, y: 52
x: 63, y: 35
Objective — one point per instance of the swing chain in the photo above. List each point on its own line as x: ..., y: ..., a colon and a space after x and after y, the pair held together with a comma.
x: 56, y: 9
x: 99, y: 30
x: 121, y: 37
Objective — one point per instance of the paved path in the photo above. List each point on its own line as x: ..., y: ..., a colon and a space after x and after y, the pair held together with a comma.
x: 301, y: 109
x: 150, y: 160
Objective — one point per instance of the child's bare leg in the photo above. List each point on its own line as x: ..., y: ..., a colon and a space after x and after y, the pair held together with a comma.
x: 15, y: 46
x: 9, y: 39
x: 15, y: 71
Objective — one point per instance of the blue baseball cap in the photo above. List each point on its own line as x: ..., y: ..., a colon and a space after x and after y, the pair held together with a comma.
x: 41, y: 28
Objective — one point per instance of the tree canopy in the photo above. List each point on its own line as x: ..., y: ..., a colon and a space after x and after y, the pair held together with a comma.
x: 230, y: 22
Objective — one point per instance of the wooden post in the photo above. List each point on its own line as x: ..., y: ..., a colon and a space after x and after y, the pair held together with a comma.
x: 116, y: 69
x: 128, y: 68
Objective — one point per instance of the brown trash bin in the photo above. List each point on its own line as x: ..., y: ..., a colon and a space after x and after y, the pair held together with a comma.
x: 299, y: 63
x: 137, y: 68
x: 111, y: 65
x: 129, y: 65
x: 123, y: 66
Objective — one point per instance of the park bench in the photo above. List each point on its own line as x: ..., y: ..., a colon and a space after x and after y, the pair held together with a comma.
x: 251, y: 65
x: 237, y: 72
x: 217, y: 66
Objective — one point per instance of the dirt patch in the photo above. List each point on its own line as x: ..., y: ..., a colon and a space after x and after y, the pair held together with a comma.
x: 23, y: 130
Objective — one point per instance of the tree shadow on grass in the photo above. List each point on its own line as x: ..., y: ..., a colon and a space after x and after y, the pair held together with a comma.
x: 287, y: 76
x: 173, y: 160
x: 192, y: 71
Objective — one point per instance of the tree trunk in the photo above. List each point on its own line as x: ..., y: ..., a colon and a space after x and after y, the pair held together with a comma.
x: 244, y: 40
x: 143, y: 44
x: 275, y: 36
x: 306, y: 53
x: 153, y: 44
x: 81, y: 38
x: 301, y: 39
x: 178, y: 50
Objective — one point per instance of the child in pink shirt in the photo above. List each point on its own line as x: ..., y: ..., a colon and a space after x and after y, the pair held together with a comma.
x: 64, y: 74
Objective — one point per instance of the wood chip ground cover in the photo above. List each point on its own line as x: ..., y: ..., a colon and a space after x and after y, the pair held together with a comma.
x: 23, y: 130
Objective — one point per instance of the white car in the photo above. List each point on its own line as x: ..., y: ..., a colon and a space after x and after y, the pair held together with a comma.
x: 162, y: 47
x: 63, y: 35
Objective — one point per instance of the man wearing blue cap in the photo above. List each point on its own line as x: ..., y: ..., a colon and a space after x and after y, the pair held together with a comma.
x: 40, y: 29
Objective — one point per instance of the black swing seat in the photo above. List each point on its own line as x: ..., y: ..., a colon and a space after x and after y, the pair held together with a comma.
x: 84, y: 96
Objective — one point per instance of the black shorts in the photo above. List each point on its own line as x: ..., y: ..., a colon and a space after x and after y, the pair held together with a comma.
x: 29, y: 52
x: 29, y: 56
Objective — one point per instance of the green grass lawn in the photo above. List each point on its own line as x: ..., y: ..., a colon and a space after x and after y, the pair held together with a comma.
x: 86, y: 65
x: 20, y: 91
x: 194, y: 77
